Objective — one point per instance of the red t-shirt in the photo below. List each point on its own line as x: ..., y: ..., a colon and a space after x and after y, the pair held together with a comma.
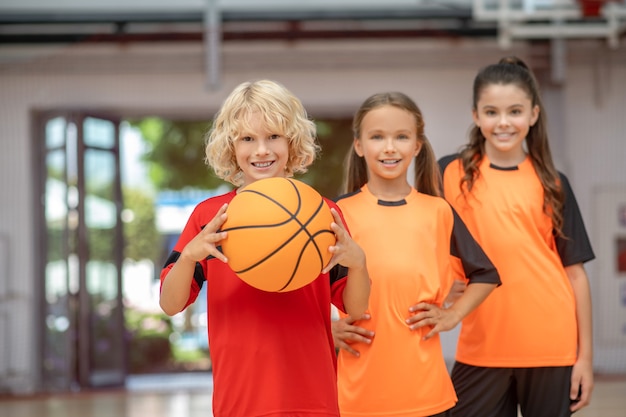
x: 272, y: 353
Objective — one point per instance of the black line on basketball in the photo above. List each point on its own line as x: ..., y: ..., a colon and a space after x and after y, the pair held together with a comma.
x: 292, y: 216
x: 310, y: 240
x: 286, y: 242
x: 304, y: 247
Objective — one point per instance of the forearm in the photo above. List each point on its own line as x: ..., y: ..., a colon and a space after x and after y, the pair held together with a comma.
x: 473, y: 295
x: 175, y: 287
x: 580, y: 285
x: 357, y: 291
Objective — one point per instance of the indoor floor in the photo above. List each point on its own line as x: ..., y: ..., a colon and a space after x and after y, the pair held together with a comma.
x: 189, y: 395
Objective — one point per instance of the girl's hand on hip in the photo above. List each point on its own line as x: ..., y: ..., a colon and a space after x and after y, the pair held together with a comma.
x: 427, y: 314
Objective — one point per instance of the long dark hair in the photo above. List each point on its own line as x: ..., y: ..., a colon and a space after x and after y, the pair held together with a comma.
x: 427, y: 178
x: 512, y: 70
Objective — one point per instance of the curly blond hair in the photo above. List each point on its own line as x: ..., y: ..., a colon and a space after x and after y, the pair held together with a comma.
x: 283, y: 114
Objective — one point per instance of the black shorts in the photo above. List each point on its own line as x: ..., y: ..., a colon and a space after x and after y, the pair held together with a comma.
x: 497, y: 392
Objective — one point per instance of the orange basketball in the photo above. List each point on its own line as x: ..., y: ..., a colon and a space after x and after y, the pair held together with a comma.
x: 278, y: 234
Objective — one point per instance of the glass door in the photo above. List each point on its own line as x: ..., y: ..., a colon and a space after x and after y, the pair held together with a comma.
x: 59, y: 302
x: 84, y: 336
x: 100, y: 253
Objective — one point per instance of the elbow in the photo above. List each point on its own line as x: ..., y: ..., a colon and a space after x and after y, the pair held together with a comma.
x: 356, y: 311
x: 168, y: 308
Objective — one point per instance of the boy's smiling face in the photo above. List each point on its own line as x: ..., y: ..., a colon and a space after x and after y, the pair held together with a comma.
x: 261, y: 153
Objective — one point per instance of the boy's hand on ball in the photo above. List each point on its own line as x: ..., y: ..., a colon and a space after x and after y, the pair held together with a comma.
x: 205, y: 242
x: 345, y: 252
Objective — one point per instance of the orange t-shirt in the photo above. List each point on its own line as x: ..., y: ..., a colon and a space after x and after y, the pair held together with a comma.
x: 408, y: 250
x: 530, y: 321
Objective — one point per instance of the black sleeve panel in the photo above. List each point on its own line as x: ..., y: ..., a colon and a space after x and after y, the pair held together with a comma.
x: 445, y: 161
x: 337, y: 272
x: 476, y: 264
x: 198, y: 273
x: 574, y: 246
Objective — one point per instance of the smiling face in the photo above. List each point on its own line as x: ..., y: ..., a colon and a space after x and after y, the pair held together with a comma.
x: 260, y: 153
x: 388, y: 143
x: 504, y: 113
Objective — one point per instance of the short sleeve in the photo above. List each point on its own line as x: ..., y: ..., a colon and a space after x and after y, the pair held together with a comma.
x: 573, y: 246
x: 477, y: 266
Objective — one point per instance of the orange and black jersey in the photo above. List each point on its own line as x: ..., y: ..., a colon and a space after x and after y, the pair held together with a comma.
x: 516, y: 326
x: 413, y: 249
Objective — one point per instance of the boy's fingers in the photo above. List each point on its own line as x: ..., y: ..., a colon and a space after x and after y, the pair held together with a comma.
x: 338, y: 230
x: 330, y: 265
x: 336, y: 216
x: 219, y: 255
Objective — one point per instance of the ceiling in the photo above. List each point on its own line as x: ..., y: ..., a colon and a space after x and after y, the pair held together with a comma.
x: 115, y: 21
x: 239, y: 20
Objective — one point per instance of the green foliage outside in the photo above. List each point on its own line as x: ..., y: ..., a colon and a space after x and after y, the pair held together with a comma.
x: 326, y: 173
x: 149, y: 335
x: 175, y: 158
x: 141, y: 238
x: 151, y: 348
x: 189, y: 355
